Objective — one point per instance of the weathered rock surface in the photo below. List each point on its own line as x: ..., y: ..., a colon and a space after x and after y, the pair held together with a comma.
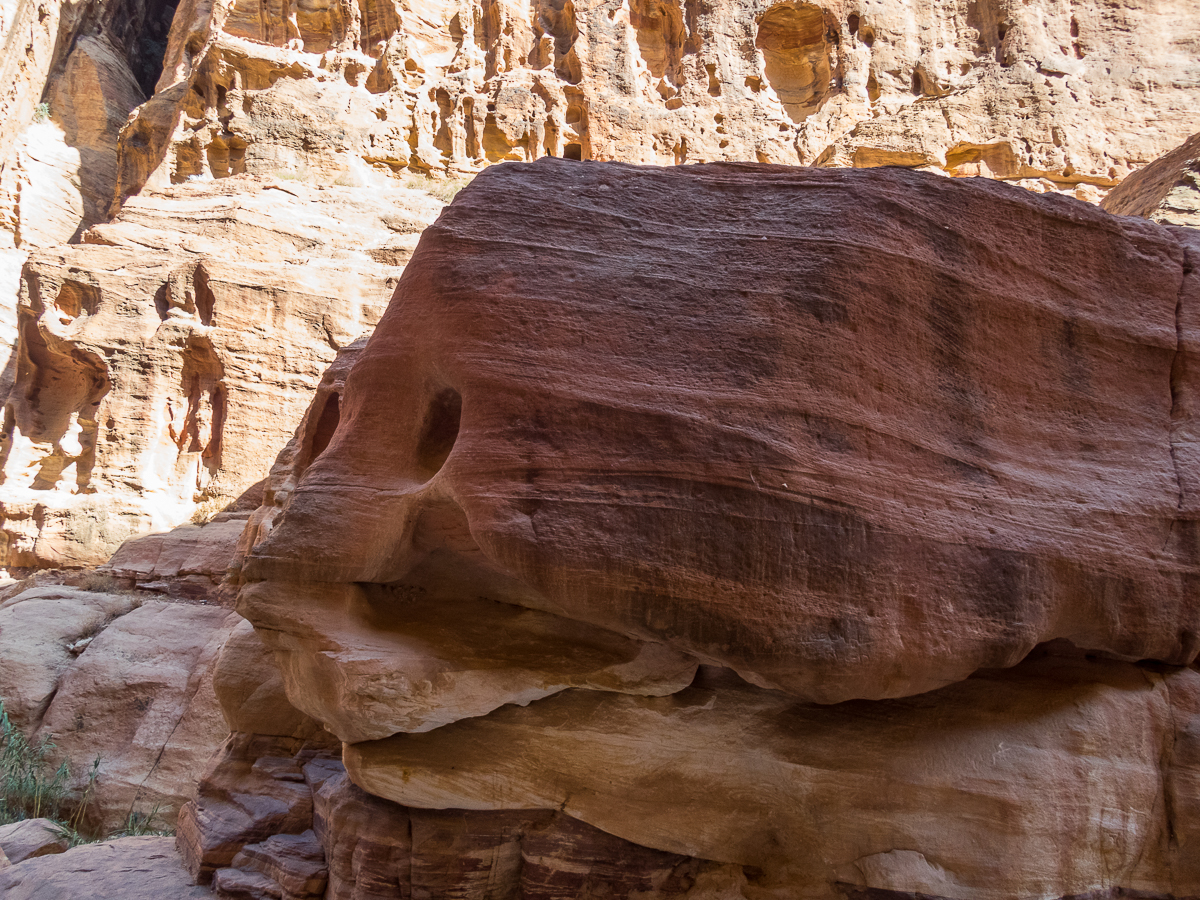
x: 397, y: 663
x: 186, y: 550
x: 42, y: 632
x: 29, y: 839
x: 1167, y: 190
x: 89, y: 64
x: 1050, y: 95
x: 260, y: 782
x: 164, y: 363
x: 141, y: 699
x: 1064, y: 776
x: 312, y: 436
x: 295, y: 863
x: 720, y: 448
x: 133, y: 868
x: 254, y: 788
x: 1051, y: 772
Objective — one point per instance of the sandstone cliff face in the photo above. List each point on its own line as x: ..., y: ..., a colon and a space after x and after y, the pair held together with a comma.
x: 1049, y: 95
x: 163, y: 361
x: 616, y: 421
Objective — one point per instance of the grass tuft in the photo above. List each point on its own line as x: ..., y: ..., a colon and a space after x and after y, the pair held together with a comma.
x: 445, y: 189
x: 31, y: 787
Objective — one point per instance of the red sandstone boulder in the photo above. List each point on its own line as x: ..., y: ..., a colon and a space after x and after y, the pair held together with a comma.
x: 854, y: 434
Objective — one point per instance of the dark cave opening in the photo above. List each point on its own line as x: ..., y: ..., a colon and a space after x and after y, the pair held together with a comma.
x: 140, y: 28
x: 150, y: 46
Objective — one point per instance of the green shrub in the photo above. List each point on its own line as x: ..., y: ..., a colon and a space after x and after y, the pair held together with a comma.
x: 30, y: 790
x: 41, y: 113
x: 31, y: 787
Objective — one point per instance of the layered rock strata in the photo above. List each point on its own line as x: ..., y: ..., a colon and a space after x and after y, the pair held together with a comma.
x: 703, y: 432
x: 665, y: 419
x: 1057, y: 97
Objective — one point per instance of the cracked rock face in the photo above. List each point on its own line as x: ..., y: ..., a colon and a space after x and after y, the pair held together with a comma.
x: 642, y: 466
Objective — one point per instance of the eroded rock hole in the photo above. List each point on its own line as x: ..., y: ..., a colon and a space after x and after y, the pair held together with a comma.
x: 556, y: 20
x: 162, y: 301
x: 75, y: 299
x: 796, y: 57
x: 326, y: 425
x: 196, y: 420
x: 660, y: 35
x: 439, y: 431
x: 573, y: 151
x: 206, y: 302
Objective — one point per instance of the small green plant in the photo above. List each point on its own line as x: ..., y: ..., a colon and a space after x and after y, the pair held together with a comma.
x: 29, y: 789
x: 41, y: 113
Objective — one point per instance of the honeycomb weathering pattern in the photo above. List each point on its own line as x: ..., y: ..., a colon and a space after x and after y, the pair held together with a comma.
x: 850, y: 433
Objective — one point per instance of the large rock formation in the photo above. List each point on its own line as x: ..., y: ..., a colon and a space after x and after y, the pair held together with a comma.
x: 705, y: 433
x: 847, y: 435
x: 349, y: 96
x: 1046, y: 94
x: 133, y: 868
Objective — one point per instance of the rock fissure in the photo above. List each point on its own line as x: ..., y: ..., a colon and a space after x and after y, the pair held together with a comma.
x: 1178, y: 367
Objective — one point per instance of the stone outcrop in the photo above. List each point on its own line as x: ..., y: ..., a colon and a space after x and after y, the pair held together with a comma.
x: 1057, y: 97
x: 1167, y: 190
x: 121, y: 680
x: 29, y: 839
x: 132, y: 868
x: 844, y: 801
x: 42, y: 632
x: 165, y: 361
x: 141, y: 700
x: 670, y: 415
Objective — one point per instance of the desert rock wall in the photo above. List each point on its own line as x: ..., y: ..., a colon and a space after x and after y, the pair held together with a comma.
x: 1052, y: 96
x: 146, y: 108
x: 166, y: 360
